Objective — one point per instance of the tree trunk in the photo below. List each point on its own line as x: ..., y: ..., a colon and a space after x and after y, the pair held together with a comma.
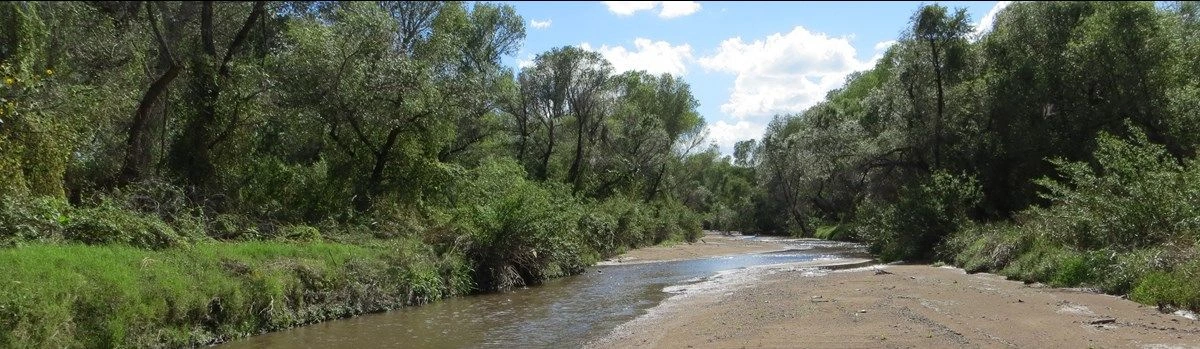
x: 138, y: 142
x: 137, y: 153
x: 573, y: 176
x: 544, y: 171
x: 941, y: 106
x: 192, y: 155
x: 366, y: 197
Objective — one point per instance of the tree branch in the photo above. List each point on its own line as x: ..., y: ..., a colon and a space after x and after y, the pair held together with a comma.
x: 240, y: 37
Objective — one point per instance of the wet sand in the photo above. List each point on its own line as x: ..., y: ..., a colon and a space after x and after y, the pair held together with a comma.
x: 889, y: 306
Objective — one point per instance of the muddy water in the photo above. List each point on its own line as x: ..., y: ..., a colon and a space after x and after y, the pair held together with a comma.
x: 566, y: 312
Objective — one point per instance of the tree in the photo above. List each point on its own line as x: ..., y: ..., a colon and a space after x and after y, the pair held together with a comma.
x: 945, y: 36
x: 192, y: 154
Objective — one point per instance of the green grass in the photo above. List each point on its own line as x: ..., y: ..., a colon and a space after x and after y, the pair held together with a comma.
x: 830, y: 232
x: 115, y: 296
x: 1153, y: 275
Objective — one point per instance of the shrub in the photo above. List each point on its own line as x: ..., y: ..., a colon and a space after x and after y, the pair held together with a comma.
x: 32, y: 219
x: 1137, y: 196
x: 521, y: 232
x: 300, y: 232
x: 106, y: 224
x: 600, y: 228
x: 926, y: 214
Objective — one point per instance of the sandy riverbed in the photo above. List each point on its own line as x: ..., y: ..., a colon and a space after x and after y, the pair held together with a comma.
x: 909, y: 306
x: 710, y: 245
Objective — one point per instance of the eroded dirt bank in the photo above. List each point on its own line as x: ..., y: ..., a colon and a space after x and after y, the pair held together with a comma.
x: 899, y: 307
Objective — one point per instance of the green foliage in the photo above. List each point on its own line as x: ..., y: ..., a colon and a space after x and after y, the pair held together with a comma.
x: 1122, y: 225
x: 520, y: 232
x: 190, y: 172
x: 52, y: 220
x: 39, y: 219
x: 114, y: 296
x: 1175, y: 288
x: 925, y: 216
x: 832, y: 232
x: 388, y: 142
x: 107, y: 224
x: 1138, y: 196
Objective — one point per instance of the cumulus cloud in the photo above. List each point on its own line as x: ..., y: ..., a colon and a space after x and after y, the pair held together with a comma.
x: 655, y: 57
x: 536, y: 24
x: 884, y: 45
x: 626, y: 8
x: 780, y: 74
x: 985, y: 24
x: 783, y: 73
x: 725, y: 135
x: 526, y: 62
x: 669, y: 9
x: 672, y: 9
x: 880, y: 48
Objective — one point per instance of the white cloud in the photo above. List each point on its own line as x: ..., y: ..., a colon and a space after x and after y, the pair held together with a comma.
x: 536, y: 24
x: 725, y: 135
x: 626, y: 8
x: 985, y: 24
x: 884, y: 45
x: 670, y: 9
x: 526, y: 62
x: 655, y: 57
x: 880, y: 48
x: 783, y: 73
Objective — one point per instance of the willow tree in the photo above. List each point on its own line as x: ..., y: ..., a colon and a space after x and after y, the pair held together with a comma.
x: 565, y: 82
x: 211, y: 69
x: 944, y: 35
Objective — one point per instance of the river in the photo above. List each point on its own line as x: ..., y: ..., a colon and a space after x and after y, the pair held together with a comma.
x: 566, y: 312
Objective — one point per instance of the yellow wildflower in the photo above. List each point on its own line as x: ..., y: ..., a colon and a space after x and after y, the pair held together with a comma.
x: 9, y: 81
x: 49, y: 72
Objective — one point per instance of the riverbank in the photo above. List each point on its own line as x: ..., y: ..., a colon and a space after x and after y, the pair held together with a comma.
x: 895, y: 306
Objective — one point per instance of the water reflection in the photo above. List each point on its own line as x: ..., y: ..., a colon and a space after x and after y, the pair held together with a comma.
x: 566, y: 312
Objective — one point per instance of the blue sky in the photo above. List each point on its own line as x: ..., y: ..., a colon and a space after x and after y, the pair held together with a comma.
x: 745, y: 61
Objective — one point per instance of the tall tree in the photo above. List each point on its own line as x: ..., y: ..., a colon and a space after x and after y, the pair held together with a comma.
x: 192, y: 154
x: 945, y: 35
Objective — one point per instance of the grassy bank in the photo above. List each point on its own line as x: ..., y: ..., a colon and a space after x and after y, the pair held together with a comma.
x: 113, y: 274
x: 118, y: 296
x: 1128, y: 225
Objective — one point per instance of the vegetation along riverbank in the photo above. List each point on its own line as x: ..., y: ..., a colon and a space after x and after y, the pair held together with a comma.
x: 181, y: 173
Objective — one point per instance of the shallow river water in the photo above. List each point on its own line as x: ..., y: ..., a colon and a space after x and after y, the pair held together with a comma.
x: 565, y: 312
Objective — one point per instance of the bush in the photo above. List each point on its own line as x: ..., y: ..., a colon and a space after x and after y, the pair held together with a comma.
x: 987, y: 247
x: 300, y: 232
x: 1137, y: 196
x: 926, y: 214
x: 600, y: 228
x: 32, y: 219
x: 106, y: 224
x: 521, y: 232
x: 52, y: 220
x: 1179, y: 288
x: 233, y: 227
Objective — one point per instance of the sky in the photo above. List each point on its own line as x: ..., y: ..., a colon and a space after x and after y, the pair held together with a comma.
x: 745, y: 61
